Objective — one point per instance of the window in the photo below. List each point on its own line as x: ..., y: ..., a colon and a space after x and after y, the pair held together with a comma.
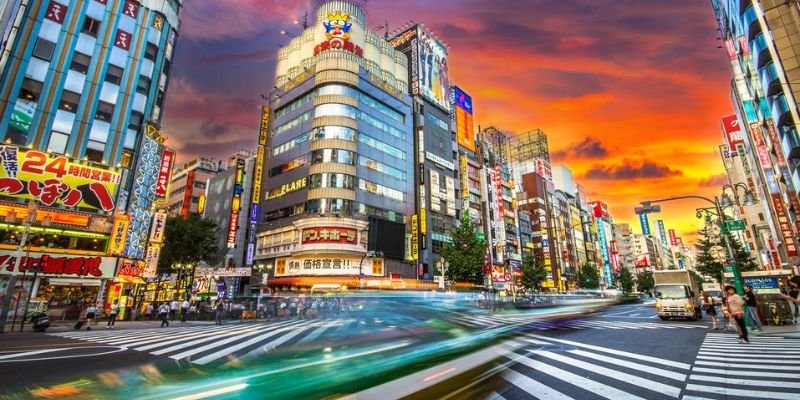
x: 332, y: 156
x: 295, y: 104
x: 114, y: 74
x: 90, y: 26
x: 333, y: 132
x: 331, y: 180
x: 151, y: 52
x: 200, y: 185
x: 377, y: 144
x: 437, y: 121
x: 332, y: 206
x: 289, y: 166
x: 43, y: 49
x: 290, y: 144
x: 381, y: 190
x: 195, y: 199
x: 80, y: 63
x: 136, y: 120
x: 69, y: 101
x: 94, y: 151
x: 381, y: 167
x: 143, y: 86
x: 335, y: 110
x: 30, y: 89
x: 104, y: 111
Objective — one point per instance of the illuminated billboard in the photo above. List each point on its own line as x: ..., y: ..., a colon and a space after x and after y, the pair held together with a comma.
x: 428, y: 64
x: 55, y: 180
x: 465, y: 127
x: 143, y: 193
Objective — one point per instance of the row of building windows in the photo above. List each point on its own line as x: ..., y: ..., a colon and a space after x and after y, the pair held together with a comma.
x: 437, y: 121
x: 339, y: 133
x: 381, y: 167
x: 381, y: 190
x: 333, y: 206
x: 342, y: 90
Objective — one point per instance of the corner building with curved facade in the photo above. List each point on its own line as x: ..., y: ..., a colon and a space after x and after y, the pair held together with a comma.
x: 337, y: 145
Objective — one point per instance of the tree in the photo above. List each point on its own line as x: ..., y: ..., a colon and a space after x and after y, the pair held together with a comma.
x: 708, y: 265
x: 588, y: 276
x: 625, y: 280
x: 645, y: 281
x: 188, y: 241
x: 533, y: 272
x: 464, y: 255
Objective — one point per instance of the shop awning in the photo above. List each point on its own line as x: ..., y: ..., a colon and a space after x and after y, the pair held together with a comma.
x: 73, y: 282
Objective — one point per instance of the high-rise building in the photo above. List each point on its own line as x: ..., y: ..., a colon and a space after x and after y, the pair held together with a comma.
x: 82, y: 85
x: 604, y: 223
x: 189, y: 183
x: 759, y: 38
x: 338, y: 176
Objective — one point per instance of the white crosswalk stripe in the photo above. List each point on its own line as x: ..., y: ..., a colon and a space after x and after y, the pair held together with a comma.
x: 551, y: 368
x: 764, y: 369
x: 206, y: 344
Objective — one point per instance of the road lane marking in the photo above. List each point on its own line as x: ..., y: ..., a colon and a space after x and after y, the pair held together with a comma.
x: 753, y: 394
x: 531, y: 386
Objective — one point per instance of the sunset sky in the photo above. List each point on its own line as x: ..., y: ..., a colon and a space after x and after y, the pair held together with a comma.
x: 629, y: 92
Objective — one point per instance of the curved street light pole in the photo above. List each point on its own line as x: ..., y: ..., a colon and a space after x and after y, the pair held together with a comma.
x: 737, y: 277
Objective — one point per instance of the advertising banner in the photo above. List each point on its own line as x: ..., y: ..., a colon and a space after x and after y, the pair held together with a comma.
x: 55, y: 180
x: 732, y: 131
x: 465, y: 125
x: 662, y: 232
x: 328, y: 265
x: 222, y: 272
x: 119, y: 233
x: 233, y: 226
x: 414, y: 237
x: 143, y: 194
x: 61, y: 265
x: 258, y: 174
x: 433, y: 81
x: 263, y: 132
x: 784, y: 226
x: 645, y: 222
x: 673, y: 238
x: 164, y: 174
x: 131, y: 268
x: 328, y: 235
x: 157, y: 229
x: 151, y: 260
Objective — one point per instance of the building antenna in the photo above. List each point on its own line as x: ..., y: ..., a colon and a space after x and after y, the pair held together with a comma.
x: 305, y: 20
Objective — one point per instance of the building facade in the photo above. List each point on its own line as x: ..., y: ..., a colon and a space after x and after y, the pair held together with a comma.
x: 83, y: 86
x: 189, y: 183
x: 340, y: 148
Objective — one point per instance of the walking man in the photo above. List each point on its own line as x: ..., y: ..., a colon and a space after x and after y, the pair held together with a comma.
x: 163, y: 313
x: 112, y: 316
x: 173, y: 309
x: 794, y: 293
x: 752, y: 307
x: 218, y: 309
x: 148, y: 312
x: 184, y: 310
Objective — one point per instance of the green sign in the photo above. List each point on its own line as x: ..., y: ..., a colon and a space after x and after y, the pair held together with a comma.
x: 735, y: 225
x: 480, y: 235
x: 729, y: 268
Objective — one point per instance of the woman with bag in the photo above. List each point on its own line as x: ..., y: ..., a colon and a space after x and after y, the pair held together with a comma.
x: 711, y: 311
x: 735, y: 305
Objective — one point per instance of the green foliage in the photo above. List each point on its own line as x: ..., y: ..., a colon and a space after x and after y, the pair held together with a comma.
x: 533, y: 272
x: 464, y: 255
x: 625, y: 280
x: 645, y: 281
x: 588, y: 276
x: 188, y: 241
x: 708, y: 266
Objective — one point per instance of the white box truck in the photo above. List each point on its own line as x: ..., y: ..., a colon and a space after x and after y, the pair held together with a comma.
x: 677, y: 295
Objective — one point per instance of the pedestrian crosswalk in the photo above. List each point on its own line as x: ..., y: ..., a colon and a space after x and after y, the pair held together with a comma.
x: 207, y: 344
x: 533, y: 323
x: 766, y: 368
x: 551, y: 368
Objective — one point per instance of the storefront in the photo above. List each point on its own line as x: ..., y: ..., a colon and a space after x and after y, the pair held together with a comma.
x: 212, y: 284
x: 67, y: 284
x: 127, y: 288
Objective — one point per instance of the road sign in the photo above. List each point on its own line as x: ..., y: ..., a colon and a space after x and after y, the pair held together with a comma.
x: 735, y: 225
x: 728, y: 268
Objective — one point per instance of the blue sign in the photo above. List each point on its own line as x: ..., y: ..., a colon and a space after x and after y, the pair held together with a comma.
x: 463, y: 100
x: 765, y: 282
x: 601, y: 236
x: 645, y: 223
x: 662, y: 231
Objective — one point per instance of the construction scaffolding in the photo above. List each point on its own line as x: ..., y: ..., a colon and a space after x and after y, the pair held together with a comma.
x: 498, y: 143
x: 529, y: 146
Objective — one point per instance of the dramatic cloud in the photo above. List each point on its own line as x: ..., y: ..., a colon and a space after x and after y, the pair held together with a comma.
x: 714, y: 181
x: 630, y: 170
x: 589, y: 147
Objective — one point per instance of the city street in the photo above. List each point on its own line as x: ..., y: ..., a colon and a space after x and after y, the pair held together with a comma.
x: 623, y: 351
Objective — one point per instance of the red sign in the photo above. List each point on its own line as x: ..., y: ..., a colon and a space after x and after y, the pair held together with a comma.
x: 499, y: 188
x: 784, y: 225
x: 730, y: 48
x: 600, y: 210
x: 743, y: 45
x: 123, y: 40
x: 131, y: 9
x: 498, y: 274
x: 733, y: 131
x: 232, y: 227
x: 187, y: 197
x: 131, y: 268
x: 56, y: 12
x: 761, y: 147
x: 673, y: 239
x: 79, y: 266
x: 642, y: 261
x: 164, y: 173
x: 773, y: 255
x: 339, y: 45
x: 329, y: 235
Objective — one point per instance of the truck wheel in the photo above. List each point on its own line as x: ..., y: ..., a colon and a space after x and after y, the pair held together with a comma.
x: 663, y: 318
x: 693, y: 317
x: 699, y: 313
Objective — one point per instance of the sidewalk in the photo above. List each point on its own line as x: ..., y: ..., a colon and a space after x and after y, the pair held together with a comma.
x: 791, y: 330
x: 69, y: 326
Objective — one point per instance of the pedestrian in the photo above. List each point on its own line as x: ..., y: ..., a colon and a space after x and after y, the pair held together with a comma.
x: 163, y: 313
x: 301, y: 310
x: 91, y: 314
x: 751, y: 300
x: 218, y: 309
x: 148, y: 311
x: 711, y: 311
x: 112, y: 316
x: 184, y: 310
x: 173, y: 309
x: 735, y: 305
x: 794, y: 293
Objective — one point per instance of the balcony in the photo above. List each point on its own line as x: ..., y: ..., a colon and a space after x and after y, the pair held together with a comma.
x: 744, y: 5
x: 750, y: 22
x: 791, y: 143
x: 780, y: 110
x: 760, y: 50
x: 769, y: 79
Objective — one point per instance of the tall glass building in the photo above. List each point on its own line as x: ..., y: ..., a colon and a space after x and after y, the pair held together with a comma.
x: 82, y: 86
x: 337, y: 149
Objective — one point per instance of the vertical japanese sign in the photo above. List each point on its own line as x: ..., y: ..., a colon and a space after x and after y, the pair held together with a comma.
x: 662, y: 232
x: 164, y: 174
x: 645, y: 222
x: 159, y: 224
x: 784, y: 226
x: 258, y: 172
x: 733, y: 132
x: 263, y: 132
x: 414, y: 237
x: 673, y: 238
x: 233, y: 226
x: 251, y: 234
x: 465, y: 130
x: 119, y: 233
x: 464, y: 186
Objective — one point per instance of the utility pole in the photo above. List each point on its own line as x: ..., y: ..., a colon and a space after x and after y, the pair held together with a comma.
x: 12, y: 280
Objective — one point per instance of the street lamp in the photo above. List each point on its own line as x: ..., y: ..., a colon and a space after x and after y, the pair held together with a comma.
x: 648, y: 206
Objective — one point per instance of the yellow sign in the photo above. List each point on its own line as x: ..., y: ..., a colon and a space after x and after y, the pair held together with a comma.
x: 414, y: 237
x: 119, y: 234
x: 287, y: 188
x: 201, y: 204
x: 259, y: 171
x: 423, y: 220
x: 299, y: 79
x: 55, y: 180
x: 377, y: 266
x: 280, y: 267
x: 264, y: 131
